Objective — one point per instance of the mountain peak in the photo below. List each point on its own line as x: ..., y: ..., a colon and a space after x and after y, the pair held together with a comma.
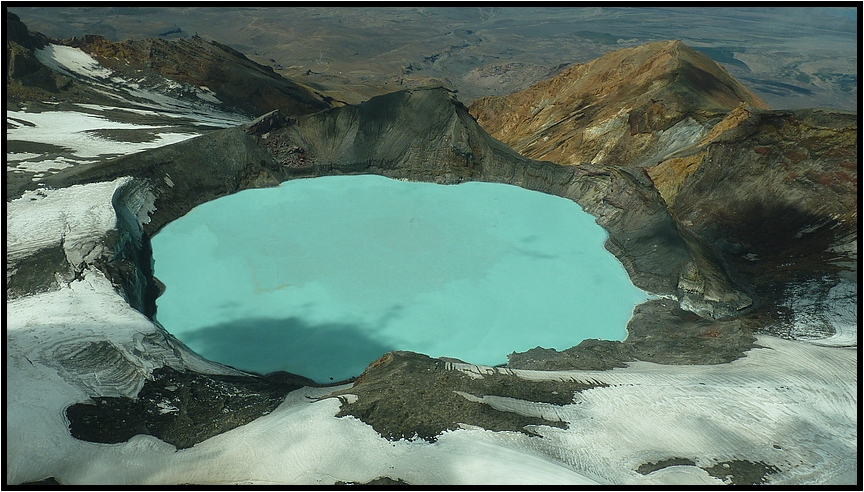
x: 612, y: 108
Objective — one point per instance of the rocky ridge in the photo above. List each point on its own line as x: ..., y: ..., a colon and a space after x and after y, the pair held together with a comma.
x: 182, y: 68
x: 628, y: 106
x: 233, y: 78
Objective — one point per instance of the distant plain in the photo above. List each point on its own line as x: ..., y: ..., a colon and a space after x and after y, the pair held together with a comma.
x: 791, y: 57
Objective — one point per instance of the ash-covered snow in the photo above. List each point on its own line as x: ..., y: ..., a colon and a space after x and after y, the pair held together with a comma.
x: 206, y: 94
x: 170, y: 111
x: 20, y: 156
x: 41, y: 167
x: 167, y: 97
x: 815, y: 312
x: 75, y: 131
x: 788, y: 404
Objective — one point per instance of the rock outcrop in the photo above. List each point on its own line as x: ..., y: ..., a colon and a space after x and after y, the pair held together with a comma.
x: 23, y: 69
x: 774, y: 195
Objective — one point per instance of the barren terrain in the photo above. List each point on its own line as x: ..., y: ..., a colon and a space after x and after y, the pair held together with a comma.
x: 790, y: 57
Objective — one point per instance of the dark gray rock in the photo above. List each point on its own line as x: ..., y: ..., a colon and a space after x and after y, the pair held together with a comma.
x: 660, y: 332
x: 181, y: 408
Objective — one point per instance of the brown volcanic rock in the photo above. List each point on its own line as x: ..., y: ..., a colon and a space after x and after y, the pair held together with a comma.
x: 617, y: 108
x: 805, y: 158
x: 23, y: 69
x: 235, y: 79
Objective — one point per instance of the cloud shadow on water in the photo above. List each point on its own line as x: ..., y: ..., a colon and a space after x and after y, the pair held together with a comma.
x: 316, y: 351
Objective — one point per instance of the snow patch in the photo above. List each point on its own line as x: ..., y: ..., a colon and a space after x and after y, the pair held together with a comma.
x: 76, y: 217
x: 20, y: 156
x: 166, y: 407
x: 74, y: 131
x: 71, y: 61
x: 46, y: 165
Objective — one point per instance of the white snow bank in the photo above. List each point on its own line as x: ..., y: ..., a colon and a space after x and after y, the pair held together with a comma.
x: 20, y: 156
x: 44, y: 166
x: 71, y: 61
x: 73, y: 131
x: 813, y: 311
x: 76, y: 217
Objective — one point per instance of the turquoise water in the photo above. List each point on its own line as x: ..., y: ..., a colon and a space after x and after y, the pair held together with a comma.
x: 321, y: 276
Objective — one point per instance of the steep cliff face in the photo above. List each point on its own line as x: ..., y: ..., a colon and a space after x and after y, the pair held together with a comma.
x: 619, y: 109
x: 775, y: 195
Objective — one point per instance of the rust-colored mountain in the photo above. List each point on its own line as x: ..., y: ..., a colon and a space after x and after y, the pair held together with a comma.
x: 619, y: 109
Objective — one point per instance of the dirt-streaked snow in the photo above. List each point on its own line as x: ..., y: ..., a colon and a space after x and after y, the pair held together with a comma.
x: 75, y: 131
x: 163, y: 99
x: 69, y: 217
x: 787, y: 403
x: 76, y: 63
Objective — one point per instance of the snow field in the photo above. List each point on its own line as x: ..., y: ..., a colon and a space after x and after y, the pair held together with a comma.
x: 795, y: 395
x: 73, y: 131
